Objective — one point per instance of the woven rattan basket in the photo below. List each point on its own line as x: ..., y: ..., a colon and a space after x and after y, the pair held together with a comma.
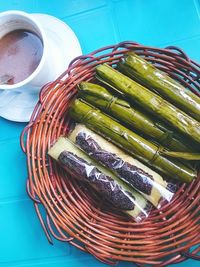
x: 72, y: 213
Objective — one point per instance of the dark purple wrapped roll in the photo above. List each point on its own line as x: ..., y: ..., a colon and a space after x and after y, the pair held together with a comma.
x: 134, y: 173
x: 111, y: 188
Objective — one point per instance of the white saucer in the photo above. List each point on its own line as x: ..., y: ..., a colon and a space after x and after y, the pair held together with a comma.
x: 18, y: 105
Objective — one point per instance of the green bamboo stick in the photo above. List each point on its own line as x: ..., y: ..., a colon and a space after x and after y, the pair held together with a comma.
x: 150, y: 101
x: 129, y: 141
x: 131, y: 116
x: 139, y: 69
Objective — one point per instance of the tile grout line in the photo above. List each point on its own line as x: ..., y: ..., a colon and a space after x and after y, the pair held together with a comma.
x: 180, y: 40
x: 112, y: 7
x: 88, y: 11
x: 197, y: 7
x: 9, y: 200
x: 45, y: 260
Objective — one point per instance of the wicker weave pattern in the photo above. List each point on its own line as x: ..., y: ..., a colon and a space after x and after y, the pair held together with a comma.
x: 74, y: 214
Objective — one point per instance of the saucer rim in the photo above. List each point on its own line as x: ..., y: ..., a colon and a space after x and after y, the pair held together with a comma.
x: 10, y: 115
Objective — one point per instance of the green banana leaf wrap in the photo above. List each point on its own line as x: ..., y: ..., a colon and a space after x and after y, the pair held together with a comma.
x: 111, y: 188
x: 145, y: 73
x: 131, y: 116
x: 150, y: 101
x: 122, y: 165
x: 129, y: 141
x: 182, y: 155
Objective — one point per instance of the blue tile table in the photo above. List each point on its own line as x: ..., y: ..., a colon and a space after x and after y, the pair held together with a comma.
x: 96, y: 23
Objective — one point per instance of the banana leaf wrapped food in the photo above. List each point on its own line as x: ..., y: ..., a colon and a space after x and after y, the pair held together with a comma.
x: 145, y: 73
x: 150, y: 101
x: 134, y: 144
x: 131, y: 116
x: 150, y: 184
x: 83, y: 168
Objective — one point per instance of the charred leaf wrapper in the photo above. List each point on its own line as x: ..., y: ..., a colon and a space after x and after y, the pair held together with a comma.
x: 112, y: 189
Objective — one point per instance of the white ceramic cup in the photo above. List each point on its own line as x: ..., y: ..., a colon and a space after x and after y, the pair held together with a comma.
x: 15, y: 20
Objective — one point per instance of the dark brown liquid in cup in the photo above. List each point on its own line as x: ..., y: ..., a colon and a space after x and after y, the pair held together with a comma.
x: 20, y: 54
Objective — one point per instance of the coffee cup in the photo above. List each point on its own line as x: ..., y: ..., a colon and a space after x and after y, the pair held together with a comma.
x: 13, y: 21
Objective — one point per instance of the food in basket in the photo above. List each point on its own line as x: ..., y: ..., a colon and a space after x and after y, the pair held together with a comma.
x: 143, y: 124
x: 150, y: 101
x: 75, y: 214
x: 83, y: 168
x: 131, y: 142
x: 145, y: 73
x: 131, y: 116
x: 150, y: 184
